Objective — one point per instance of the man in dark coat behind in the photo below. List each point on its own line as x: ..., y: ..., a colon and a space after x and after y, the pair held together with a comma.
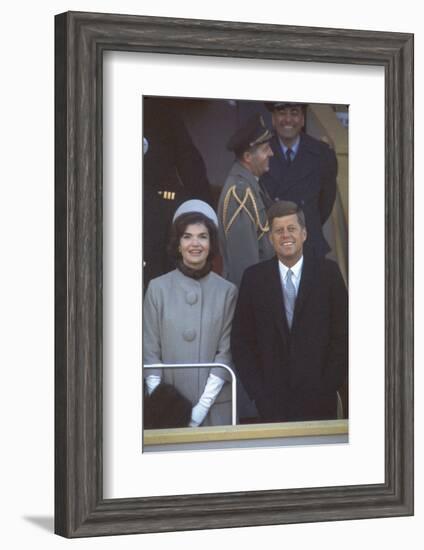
x: 289, y: 338
x: 303, y: 170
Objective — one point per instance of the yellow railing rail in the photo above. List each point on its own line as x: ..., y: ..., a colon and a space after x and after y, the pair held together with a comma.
x: 246, y: 432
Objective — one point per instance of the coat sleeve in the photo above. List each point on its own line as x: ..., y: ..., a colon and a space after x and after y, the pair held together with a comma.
x: 244, y: 341
x: 223, y: 353
x: 152, y: 351
x: 328, y: 184
x: 337, y: 363
x: 241, y: 239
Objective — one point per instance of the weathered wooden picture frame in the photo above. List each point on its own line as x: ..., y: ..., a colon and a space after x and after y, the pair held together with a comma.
x: 80, y: 508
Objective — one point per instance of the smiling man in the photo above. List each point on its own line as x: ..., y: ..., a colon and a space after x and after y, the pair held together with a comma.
x: 243, y: 225
x: 302, y: 169
x: 289, y: 338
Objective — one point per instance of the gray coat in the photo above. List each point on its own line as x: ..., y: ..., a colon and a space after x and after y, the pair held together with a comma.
x: 243, y: 226
x: 189, y: 321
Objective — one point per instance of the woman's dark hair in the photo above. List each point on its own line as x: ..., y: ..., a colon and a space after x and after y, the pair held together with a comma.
x: 180, y: 225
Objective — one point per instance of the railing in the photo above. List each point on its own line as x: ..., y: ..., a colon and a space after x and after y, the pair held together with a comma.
x: 236, y: 435
x: 209, y: 366
x: 333, y: 430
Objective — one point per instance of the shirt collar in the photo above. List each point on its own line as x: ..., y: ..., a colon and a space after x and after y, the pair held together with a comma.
x: 296, y: 269
x: 294, y: 147
x: 245, y: 170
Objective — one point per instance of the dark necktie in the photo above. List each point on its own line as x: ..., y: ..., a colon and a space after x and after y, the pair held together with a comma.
x: 289, y: 153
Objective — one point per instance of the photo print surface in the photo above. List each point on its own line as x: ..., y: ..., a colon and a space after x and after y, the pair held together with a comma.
x: 245, y: 273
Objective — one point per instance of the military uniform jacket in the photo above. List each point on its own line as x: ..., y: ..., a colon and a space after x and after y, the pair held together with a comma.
x: 309, y: 181
x: 243, y: 225
x: 189, y: 321
x: 292, y: 374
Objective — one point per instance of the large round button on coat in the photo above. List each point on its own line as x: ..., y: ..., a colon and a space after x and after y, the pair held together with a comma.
x: 191, y: 298
x: 189, y: 334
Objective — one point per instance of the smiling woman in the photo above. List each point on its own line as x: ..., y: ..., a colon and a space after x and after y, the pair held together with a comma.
x: 195, y: 245
x: 187, y: 319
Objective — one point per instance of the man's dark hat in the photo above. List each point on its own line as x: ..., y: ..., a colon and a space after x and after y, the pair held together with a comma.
x: 253, y: 132
x: 274, y: 105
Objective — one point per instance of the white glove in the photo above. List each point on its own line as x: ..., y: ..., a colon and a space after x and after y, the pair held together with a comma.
x: 200, y: 410
x: 152, y: 382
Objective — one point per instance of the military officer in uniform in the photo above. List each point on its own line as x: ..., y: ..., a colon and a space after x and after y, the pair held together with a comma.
x: 242, y: 206
x: 243, y: 226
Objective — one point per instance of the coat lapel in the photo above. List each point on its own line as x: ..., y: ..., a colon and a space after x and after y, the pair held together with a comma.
x: 306, y: 284
x: 277, y: 299
x: 300, y: 168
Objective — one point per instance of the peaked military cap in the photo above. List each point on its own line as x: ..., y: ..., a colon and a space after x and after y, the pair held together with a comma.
x: 275, y: 105
x: 253, y: 132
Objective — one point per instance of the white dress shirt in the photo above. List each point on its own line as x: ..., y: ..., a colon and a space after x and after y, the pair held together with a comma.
x: 294, y: 148
x: 296, y: 270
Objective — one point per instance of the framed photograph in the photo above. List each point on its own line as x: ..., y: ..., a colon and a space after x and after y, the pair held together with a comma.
x: 107, y: 68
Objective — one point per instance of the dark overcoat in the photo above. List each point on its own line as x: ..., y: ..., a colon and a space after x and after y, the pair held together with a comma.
x: 309, y: 181
x: 292, y: 374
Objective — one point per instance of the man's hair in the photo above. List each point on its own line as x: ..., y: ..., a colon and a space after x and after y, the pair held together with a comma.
x: 286, y: 208
x: 240, y: 152
x: 180, y: 225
